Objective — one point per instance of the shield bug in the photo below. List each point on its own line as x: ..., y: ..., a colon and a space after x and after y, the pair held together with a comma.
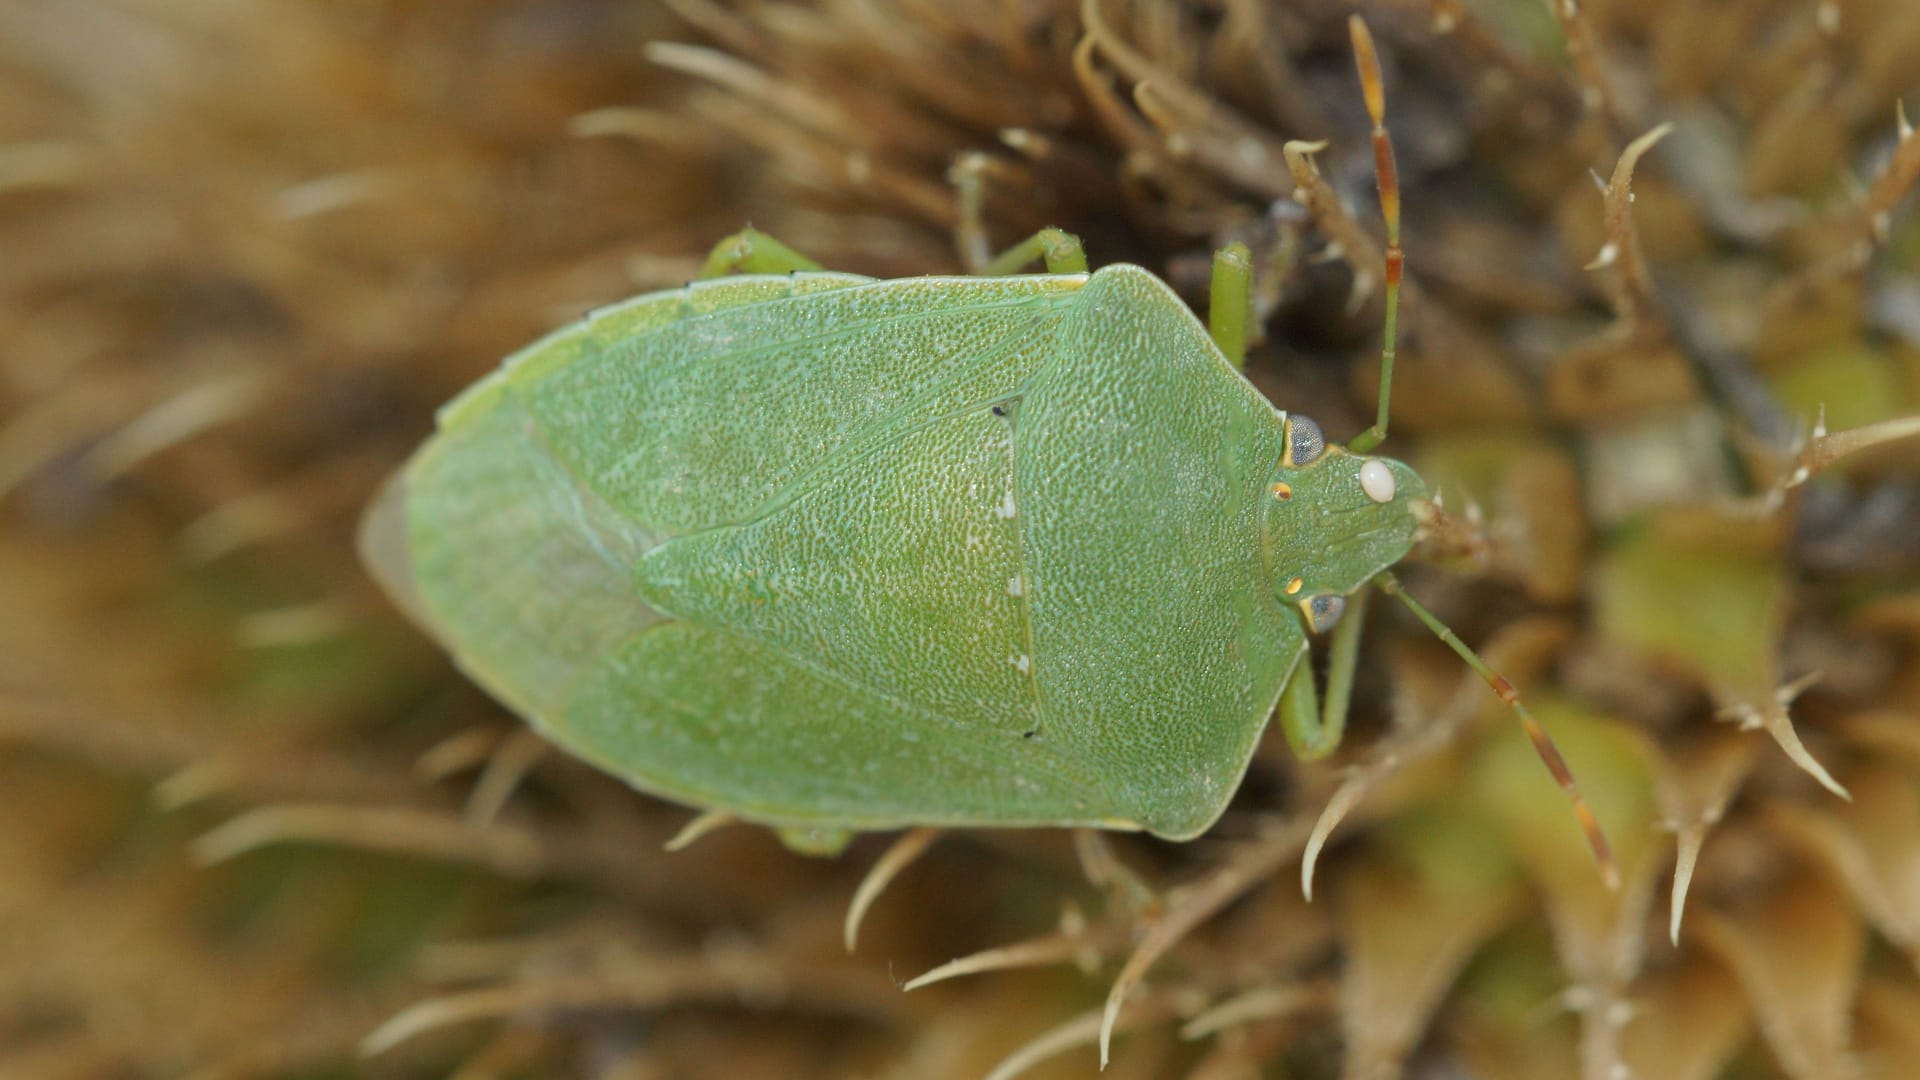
x: 834, y: 554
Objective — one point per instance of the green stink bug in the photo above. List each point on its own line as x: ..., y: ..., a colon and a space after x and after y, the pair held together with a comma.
x: 835, y: 554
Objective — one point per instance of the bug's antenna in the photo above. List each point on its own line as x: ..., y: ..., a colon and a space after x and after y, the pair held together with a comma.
x: 1542, y: 742
x: 1373, y: 89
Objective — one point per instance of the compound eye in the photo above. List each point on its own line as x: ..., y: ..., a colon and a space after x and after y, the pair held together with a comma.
x: 1323, y: 612
x: 1305, y: 442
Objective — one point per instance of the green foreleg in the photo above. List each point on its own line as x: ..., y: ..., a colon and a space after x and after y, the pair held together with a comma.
x: 1313, y: 728
x: 1230, y: 306
x: 1059, y: 249
x: 1300, y: 712
x: 751, y: 251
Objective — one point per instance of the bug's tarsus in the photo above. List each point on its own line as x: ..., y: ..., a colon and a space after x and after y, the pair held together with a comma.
x: 751, y: 251
x: 1537, y: 735
x: 1230, y: 306
x: 1373, y: 89
x: 814, y: 841
x: 1059, y: 249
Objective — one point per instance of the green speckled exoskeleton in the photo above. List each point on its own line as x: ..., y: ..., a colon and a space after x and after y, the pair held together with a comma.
x: 836, y: 554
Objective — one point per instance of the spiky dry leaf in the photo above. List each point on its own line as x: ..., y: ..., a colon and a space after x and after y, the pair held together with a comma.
x: 1693, y: 787
x: 1684, y: 1023
x: 1889, y: 1028
x: 1872, y: 846
x: 1797, y: 952
x: 1406, y: 931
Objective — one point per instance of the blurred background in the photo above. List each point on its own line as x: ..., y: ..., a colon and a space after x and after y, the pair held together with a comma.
x: 253, y: 825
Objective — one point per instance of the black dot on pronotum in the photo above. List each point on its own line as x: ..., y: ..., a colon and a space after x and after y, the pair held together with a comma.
x: 999, y: 410
x: 1030, y: 734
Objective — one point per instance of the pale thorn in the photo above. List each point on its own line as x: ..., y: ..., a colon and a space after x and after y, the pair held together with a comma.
x: 1688, y: 840
x: 192, y: 783
x: 904, y: 852
x: 1686, y: 857
x: 1024, y: 140
x: 1336, y: 811
x: 501, y: 776
x: 1789, y: 691
x: 1028, y: 954
x: 1744, y: 716
x: 1333, y: 252
x: 702, y: 824
x: 1073, y: 923
x: 1779, y: 724
x: 1005, y: 957
x: 1362, y: 288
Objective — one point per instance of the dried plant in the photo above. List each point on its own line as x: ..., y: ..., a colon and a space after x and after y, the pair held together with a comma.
x: 251, y: 825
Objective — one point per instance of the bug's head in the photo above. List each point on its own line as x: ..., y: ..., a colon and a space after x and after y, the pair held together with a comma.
x: 1333, y: 519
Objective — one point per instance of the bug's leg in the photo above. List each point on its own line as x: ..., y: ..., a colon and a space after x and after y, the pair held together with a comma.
x: 1542, y: 742
x: 1300, y: 712
x: 1314, y: 728
x: 1059, y: 249
x: 751, y: 251
x: 1388, y: 173
x: 822, y: 841
x: 1230, y: 303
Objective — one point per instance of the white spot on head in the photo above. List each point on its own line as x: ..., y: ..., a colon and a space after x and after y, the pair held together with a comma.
x: 1005, y: 509
x: 1020, y: 662
x: 1377, y: 481
x: 1017, y: 585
